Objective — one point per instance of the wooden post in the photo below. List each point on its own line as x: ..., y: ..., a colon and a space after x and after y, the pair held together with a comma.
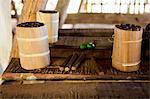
x: 28, y: 14
x: 61, y: 7
x: 30, y: 8
x: 5, y: 34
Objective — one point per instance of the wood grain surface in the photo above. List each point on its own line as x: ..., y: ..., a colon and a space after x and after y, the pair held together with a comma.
x: 76, y: 90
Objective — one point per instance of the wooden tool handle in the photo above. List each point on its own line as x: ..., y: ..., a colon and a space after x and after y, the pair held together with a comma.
x: 72, y: 60
x: 66, y: 60
x: 62, y: 67
x: 78, y: 62
x: 70, y: 63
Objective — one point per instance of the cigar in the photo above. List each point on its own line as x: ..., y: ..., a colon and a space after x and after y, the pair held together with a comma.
x: 70, y: 63
x: 78, y: 62
x: 53, y: 70
x: 62, y: 67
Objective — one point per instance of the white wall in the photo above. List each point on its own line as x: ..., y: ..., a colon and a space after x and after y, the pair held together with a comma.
x: 5, y: 34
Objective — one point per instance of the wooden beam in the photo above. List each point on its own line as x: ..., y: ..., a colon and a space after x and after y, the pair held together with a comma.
x: 108, y: 18
x: 28, y: 14
x: 30, y: 8
x: 61, y: 7
x: 80, y: 6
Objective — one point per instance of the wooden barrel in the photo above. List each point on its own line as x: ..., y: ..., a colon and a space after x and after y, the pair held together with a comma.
x: 51, y: 19
x: 33, y: 45
x: 126, y: 49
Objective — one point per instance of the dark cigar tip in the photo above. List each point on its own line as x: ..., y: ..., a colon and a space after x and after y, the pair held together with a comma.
x: 67, y: 69
x: 73, y: 68
x: 131, y: 27
x: 30, y: 24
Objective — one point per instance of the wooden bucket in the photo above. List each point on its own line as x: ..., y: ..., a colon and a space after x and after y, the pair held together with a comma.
x: 51, y: 19
x: 126, y: 50
x: 33, y: 45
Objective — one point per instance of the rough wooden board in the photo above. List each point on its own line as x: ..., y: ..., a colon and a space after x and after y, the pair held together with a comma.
x: 101, y: 42
x: 86, y: 32
x: 15, y: 72
x: 142, y: 19
x: 76, y: 90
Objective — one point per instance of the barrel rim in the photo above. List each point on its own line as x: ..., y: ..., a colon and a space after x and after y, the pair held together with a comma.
x: 127, y: 30
x: 48, y: 11
x: 24, y: 24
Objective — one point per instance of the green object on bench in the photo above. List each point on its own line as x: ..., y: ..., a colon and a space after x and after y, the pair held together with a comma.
x: 83, y: 46
x: 87, y: 46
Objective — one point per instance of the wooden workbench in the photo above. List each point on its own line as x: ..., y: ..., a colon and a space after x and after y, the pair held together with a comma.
x: 69, y: 41
x: 85, y: 83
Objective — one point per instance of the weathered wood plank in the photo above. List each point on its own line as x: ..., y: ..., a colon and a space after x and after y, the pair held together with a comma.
x: 108, y: 18
x: 101, y: 54
x: 86, y: 32
x: 86, y: 72
x: 101, y: 42
x: 74, y: 90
